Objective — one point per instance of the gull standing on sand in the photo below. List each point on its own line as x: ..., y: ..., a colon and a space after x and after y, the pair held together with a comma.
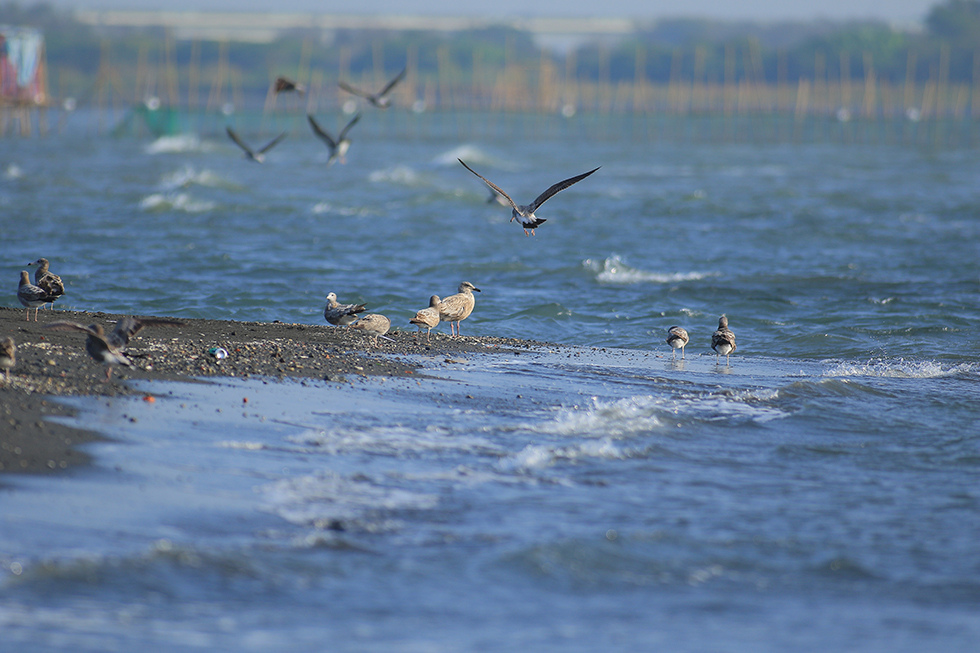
x: 341, y: 314
x: 47, y: 280
x: 379, y: 100
x: 32, y: 296
x: 111, y: 348
x: 677, y: 338
x: 456, y: 308
x: 8, y: 356
x: 338, y: 147
x: 525, y: 213
x: 373, y: 324
x: 428, y: 318
x: 257, y: 156
x: 723, y: 340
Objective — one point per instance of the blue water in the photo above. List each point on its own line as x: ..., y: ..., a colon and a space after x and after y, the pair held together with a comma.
x: 820, y: 493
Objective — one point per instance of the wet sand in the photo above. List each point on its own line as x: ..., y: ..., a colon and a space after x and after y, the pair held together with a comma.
x: 55, y: 364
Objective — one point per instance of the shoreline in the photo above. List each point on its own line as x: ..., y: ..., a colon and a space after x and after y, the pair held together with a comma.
x: 54, y: 363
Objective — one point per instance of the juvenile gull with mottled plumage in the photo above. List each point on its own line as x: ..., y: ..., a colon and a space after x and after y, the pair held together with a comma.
x: 47, y: 280
x: 111, y: 348
x: 373, y: 324
x: 32, y: 296
x: 456, y: 308
x: 428, y: 318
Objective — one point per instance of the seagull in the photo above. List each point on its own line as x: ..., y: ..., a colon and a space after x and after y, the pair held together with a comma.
x: 374, y: 324
x: 339, y: 147
x: 677, y: 338
x: 8, y: 356
x: 723, y: 340
x: 47, y: 280
x: 258, y: 156
x: 456, y: 308
x: 110, y: 349
x: 379, y: 100
x: 526, y: 213
x: 428, y: 318
x: 284, y: 85
x: 341, y: 314
x: 32, y: 296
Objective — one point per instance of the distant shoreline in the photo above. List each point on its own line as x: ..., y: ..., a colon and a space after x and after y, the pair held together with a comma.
x: 55, y: 364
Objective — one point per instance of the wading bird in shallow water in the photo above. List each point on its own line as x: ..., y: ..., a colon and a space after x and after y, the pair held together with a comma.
x: 677, y: 338
x: 341, y: 314
x: 8, y: 356
x: 111, y: 348
x: 338, y: 147
x: 723, y: 340
x: 373, y: 324
x: 456, y: 308
x: 380, y: 99
x: 525, y: 213
x: 32, y: 296
x: 46, y: 280
x: 428, y: 318
x: 255, y: 155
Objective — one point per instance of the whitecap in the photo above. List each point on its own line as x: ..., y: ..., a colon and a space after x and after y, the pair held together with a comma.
x: 175, y: 201
x: 401, y: 174
x: 189, y: 176
x: 466, y: 152
x: 175, y: 144
x: 392, y: 441
x: 13, y: 171
x: 613, y: 270
x: 539, y: 456
x: 902, y: 369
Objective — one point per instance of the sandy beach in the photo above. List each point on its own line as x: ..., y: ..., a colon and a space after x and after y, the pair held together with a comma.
x: 55, y: 364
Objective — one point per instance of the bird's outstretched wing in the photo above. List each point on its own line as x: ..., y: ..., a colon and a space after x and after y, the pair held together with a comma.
x: 392, y: 83
x: 239, y: 142
x: 353, y: 121
x: 489, y: 183
x: 353, y: 91
x: 321, y: 133
x: 560, y: 186
x: 271, y: 144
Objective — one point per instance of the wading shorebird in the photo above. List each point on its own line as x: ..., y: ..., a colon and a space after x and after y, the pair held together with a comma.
x: 380, y: 99
x: 456, y: 308
x: 677, y: 338
x: 338, y: 148
x: 255, y: 155
x: 723, y: 340
x: 110, y: 348
x: 525, y: 213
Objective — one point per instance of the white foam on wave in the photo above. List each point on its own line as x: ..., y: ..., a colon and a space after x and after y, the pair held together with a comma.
x: 326, y: 208
x: 175, y: 144
x: 467, y: 152
x: 902, y: 369
x: 13, y: 171
x: 175, y: 201
x: 613, y: 270
x: 189, y: 176
x: 542, y: 456
x: 323, y: 498
x: 400, y: 174
x: 392, y: 441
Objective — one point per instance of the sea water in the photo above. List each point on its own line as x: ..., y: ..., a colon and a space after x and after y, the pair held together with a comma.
x: 818, y: 492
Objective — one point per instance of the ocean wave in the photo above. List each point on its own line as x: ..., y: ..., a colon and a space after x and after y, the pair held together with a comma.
x: 401, y: 174
x: 902, y: 369
x: 175, y: 144
x: 540, y: 456
x: 466, y: 152
x: 323, y: 499
x: 391, y: 441
x: 175, y: 201
x: 189, y: 176
x: 613, y: 270
x: 13, y: 171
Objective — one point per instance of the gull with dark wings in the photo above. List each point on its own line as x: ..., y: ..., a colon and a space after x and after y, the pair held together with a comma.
x: 525, y: 213
x: 338, y: 147
x: 111, y: 348
x: 255, y: 155
x: 381, y: 99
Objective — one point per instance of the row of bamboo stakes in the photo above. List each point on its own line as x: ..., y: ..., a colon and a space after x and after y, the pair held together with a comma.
x: 833, y: 91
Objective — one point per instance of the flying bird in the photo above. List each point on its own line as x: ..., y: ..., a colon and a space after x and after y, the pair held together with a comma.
x: 456, y: 308
x: 723, y: 340
x: 341, y: 314
x: 526, y: 213
x: 285, y: 85
x: 257, y: 156
x: 111, y: 348
x: 32, y: 296
x: 428, y: 318
x: 338, y: 147
x: 380, y: 99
